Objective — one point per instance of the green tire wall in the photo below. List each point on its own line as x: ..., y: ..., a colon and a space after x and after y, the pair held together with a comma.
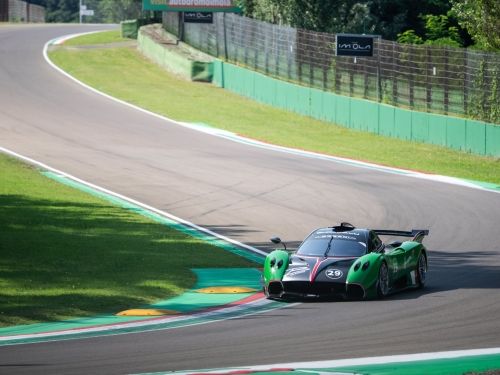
x: 456, y: 133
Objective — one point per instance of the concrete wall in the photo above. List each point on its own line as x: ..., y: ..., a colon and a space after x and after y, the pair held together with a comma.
x: 172, y: 60
x: 21, y: 11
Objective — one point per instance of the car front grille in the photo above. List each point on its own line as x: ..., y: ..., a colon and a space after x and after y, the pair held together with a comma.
x: 316, y: 288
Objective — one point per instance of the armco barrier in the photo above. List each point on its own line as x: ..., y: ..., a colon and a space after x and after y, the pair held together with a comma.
x: 457, y: 133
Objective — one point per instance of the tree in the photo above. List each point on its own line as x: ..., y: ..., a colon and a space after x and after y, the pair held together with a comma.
x: 409, y: 37
x: 62, y: 10
x: 385, y: 17
x: 119, y: 10
x: 438, y: 30
x: 392, y: 17
x: 481, y: 18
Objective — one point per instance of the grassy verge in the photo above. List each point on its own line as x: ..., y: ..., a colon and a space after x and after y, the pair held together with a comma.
x: 105, y: 37
x: 124, y: 73
x: 66, y: 254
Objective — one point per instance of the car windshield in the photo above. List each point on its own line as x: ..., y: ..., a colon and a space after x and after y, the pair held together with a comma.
x: 342, y: 245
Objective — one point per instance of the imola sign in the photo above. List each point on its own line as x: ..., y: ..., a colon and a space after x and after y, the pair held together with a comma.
x: 354, y: 45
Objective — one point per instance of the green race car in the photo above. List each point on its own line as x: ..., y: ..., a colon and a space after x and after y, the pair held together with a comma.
x: 348, y: 262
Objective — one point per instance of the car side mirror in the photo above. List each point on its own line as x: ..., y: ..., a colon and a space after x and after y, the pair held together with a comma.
x: 277, y: 240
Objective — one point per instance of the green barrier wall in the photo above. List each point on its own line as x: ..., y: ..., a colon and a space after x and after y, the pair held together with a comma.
x: 174, y: 61
x: 456, y: 133
x: 129, y: 29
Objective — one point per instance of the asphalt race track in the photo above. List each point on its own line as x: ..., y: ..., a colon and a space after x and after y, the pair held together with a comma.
x: 249, y: 194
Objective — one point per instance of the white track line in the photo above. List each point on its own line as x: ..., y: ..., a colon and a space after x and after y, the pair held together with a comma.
x: 237, y: 138
x: 356, y: 361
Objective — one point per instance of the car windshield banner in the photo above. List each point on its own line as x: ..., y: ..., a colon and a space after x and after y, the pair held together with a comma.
x: 354, y: 45
x: 191, y: 5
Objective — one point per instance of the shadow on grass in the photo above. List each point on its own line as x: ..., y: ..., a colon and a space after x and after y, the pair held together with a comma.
x: 61, y: 259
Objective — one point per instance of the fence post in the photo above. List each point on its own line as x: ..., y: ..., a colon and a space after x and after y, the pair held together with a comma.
x: 465, y: 94
x: 325, y: 78
x: 446, y: 99
x: 289, y: 54
x: 276, y: 38
x: 351, y: 79
x: 180, y: 26
x: 338, y: 76
x: 379, y: 78
x: 225, y: 35
x: 366, y: 81
x: 428, y: 86
x: 311, y: 73
x: 411, y: 76
x: 217, y: 51
x: 394, y: 75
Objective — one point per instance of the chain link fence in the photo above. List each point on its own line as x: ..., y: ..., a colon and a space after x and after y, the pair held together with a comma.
x: 445, y: 80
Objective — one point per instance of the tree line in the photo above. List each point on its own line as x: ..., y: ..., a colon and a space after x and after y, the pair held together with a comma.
x: 105, y: 11
x: 458, y: 23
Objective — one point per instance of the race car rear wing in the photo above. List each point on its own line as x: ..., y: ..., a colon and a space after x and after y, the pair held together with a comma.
x: 417, y: 234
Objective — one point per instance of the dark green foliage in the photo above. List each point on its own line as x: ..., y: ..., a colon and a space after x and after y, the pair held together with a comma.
x: 104, y: 10
x: 62, y: 10
x: 438, y: 30
x: 119, y: 10
x: 384, y: 17
x: 484, y: 101
x: 481, y: 18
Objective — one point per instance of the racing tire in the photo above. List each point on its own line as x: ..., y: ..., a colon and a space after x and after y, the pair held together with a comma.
x: 383, y: 281
x: 266, y: 292
x: 421, y: 271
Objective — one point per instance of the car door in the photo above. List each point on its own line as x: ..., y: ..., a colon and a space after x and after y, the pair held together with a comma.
x: 395, y: 258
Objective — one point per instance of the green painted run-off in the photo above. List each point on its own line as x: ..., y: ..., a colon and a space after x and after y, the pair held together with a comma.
x: 190, y: 301
x: 450, y: 366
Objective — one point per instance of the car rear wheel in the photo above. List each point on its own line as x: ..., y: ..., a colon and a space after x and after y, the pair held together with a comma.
x: 383, y: 281
x: 421, y: 271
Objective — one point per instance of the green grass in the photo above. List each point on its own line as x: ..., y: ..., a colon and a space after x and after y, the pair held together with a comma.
x: 104, y: 37
x: 124, y: 73
x: 64, y: 253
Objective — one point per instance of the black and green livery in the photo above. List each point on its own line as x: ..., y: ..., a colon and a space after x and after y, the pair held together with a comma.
x: 349, y: 262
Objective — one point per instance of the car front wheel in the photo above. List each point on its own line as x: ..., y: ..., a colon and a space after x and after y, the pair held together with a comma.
x: 383, y: 281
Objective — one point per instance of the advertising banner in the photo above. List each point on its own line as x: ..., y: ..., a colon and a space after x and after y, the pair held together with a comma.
x: 191, y: 5
x: 198, y: 17
x: 354, y: 45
